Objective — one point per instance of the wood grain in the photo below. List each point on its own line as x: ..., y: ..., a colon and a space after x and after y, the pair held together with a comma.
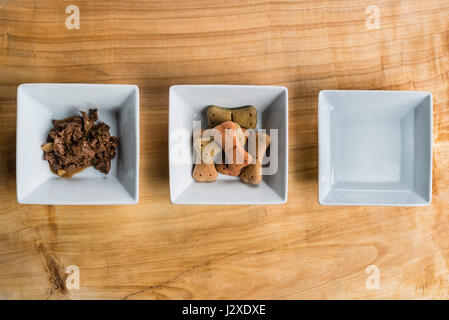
x: 156, y: 250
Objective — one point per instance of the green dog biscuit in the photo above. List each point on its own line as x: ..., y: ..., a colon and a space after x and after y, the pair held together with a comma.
x: 217, y: 115
x: 246, y: 117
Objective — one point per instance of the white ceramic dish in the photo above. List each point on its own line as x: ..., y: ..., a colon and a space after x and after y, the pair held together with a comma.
x: 188, y: 103
x: 37, y: 105
x: 375, y: 148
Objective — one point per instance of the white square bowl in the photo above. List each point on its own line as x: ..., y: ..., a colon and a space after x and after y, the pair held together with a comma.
x: 37, y: 105
x: 188, y: 103
x: 375, y: 148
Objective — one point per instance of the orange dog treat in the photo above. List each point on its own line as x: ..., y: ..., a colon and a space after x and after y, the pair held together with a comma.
x: 225, y: 135
x: 253, y: 173
x: 237, y: 159
x: 223, y: 169
x: 235, y: 155
x: 234, y: 169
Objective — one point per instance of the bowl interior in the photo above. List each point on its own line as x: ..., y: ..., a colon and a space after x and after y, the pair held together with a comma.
x: 375, y: 147
x: 188, y: 104
x: 38, y: 104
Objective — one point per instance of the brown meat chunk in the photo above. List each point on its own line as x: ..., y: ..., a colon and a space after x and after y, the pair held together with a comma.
x: 78, y: 142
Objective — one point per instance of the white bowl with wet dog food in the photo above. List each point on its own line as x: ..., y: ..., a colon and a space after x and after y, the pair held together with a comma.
x: 375, y: 148
x: 188, y: 103
x: 37, y: 105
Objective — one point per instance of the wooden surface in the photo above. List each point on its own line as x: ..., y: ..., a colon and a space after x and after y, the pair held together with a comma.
x: 156, y: 250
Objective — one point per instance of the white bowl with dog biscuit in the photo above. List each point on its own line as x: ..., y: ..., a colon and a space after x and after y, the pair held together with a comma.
x: 188, y: 103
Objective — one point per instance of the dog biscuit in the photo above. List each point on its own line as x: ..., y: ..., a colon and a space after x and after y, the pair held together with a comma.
x: 246, y: 116
x: 204, y: 172
x: 235, y: 155
x: 204, y: 147
x: 217, y: 115
x: 253, y: 172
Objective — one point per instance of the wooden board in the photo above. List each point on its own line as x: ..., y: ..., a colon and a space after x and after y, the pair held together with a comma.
x: 156, y: 250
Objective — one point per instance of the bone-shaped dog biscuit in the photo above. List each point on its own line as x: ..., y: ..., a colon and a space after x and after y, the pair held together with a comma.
x: 246, y: 116
x: 234, y: 168
x: 217, y: 115
x: 204, y: 147
x: 253, y: 173
x: 204, y: 172
x: 235, y: 155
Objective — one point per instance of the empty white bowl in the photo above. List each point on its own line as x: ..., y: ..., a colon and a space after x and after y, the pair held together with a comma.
x: 38, y: 104
x: 375, y: 148
x: 188, y: 103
